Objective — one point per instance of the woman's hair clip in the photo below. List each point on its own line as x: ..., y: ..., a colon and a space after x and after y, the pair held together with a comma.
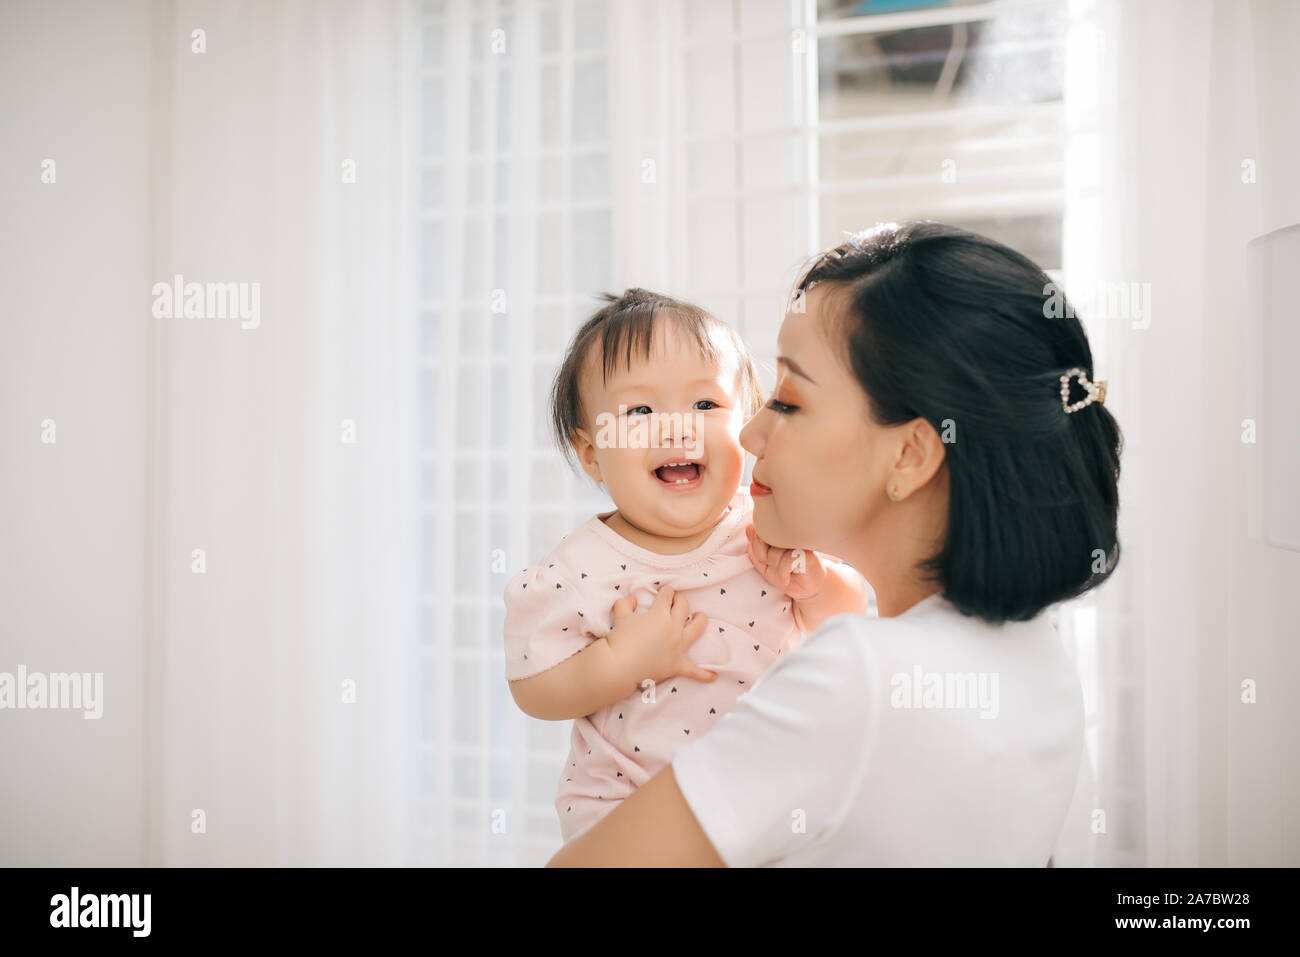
x: 1096, y: 390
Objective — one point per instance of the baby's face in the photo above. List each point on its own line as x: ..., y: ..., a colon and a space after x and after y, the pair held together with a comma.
x: 689, y: 411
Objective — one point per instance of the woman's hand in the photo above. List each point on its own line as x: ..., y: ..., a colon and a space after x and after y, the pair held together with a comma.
x: 654, y: 645
x: 798, y: 572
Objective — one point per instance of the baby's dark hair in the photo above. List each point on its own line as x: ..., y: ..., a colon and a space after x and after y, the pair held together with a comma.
x: 624, y: 327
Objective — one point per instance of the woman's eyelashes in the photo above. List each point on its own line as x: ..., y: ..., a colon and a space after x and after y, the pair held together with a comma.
x: 781, y: 408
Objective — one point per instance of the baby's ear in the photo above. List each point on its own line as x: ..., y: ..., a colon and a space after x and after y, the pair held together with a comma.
x: 585, y: 450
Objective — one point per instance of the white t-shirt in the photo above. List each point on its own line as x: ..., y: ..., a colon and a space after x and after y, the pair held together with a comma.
x: 925, y: 739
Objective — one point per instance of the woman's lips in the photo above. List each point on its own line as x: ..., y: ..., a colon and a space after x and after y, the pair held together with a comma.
x: 757, y: 488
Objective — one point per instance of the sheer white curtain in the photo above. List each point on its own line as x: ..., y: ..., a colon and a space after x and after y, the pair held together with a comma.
x: 517, y: 238
x: 284, y: 619
x: 557, y: 163
x: 1185, y: 139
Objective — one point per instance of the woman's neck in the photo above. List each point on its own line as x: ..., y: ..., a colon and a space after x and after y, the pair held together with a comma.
x: 898, y: 546
x: 894, y: 598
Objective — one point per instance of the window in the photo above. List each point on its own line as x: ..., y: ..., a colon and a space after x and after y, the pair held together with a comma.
x: 771, y: 129
x: 943, y: 112
x: 515, y: 214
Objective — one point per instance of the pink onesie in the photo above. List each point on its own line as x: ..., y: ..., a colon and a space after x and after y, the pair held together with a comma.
x: 560, y: 605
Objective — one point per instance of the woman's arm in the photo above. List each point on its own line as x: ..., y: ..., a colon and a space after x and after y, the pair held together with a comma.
x: 655, y: 827
x: 793, y: 751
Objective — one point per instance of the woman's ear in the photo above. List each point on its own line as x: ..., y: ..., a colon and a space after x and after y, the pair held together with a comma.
x: 585, y: 449
x: 921, y: 453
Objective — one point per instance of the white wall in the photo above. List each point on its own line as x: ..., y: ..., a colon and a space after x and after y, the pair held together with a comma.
x: 1250, y: 758
x: 74, y: 275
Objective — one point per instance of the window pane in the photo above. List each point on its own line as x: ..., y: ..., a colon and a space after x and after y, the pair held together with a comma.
x: 910, y: 152
x: 1014, y: 58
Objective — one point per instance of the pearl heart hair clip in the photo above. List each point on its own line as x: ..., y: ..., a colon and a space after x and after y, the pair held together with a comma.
x: 1096, y: 390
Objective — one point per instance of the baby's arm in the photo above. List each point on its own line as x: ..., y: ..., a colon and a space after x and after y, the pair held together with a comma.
x: 590, y: 680
x: 652, y: 645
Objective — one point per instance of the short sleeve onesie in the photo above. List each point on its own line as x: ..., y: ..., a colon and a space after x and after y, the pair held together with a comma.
x: 557, y: 607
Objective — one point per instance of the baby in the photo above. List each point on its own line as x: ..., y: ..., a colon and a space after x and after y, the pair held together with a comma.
x: 646, y: 624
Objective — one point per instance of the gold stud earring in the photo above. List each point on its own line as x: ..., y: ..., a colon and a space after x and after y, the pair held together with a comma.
x: 893, y: 493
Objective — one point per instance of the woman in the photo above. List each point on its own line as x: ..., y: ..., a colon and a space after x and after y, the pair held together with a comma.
x: 934, y: 423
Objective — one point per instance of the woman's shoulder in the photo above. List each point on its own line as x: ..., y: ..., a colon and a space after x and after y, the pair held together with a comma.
x: 936, y: 635
x: 934, y: 649
x: 932, y: 620
x: 840, y: 713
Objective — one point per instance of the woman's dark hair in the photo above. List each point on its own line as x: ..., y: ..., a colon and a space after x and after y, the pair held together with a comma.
x: 625, y: 327
x: 950, y: 326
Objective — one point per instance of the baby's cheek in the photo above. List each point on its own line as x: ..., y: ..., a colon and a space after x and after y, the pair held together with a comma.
x: 736, y: 423
x: 627, y: 465
x: 727, y: 447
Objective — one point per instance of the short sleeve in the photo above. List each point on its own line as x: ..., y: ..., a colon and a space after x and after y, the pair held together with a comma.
x: 544, y: 621
x: 779, y: 772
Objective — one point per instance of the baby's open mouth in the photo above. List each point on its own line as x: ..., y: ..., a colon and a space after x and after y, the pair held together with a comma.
x: 679, y: 473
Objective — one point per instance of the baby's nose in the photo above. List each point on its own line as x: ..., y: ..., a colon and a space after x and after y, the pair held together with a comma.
x: 673, y: 428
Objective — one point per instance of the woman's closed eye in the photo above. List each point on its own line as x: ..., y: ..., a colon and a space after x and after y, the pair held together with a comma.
x: 780, y: 408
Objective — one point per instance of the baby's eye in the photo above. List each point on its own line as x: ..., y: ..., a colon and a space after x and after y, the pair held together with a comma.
x: 707, y: 404
x: 637, y: 410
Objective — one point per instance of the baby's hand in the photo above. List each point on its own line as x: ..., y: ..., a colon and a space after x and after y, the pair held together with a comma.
x: 798, y: 572
x: 654, y: 645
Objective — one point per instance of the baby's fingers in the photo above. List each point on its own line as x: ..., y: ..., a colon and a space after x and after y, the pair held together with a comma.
x: 695, y: 627
x: 681, y: 610
x: 758, y: 551
x: 664, y: 599
x: 782, y: 571
x: 813, y: 563
x: 691, y: 670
